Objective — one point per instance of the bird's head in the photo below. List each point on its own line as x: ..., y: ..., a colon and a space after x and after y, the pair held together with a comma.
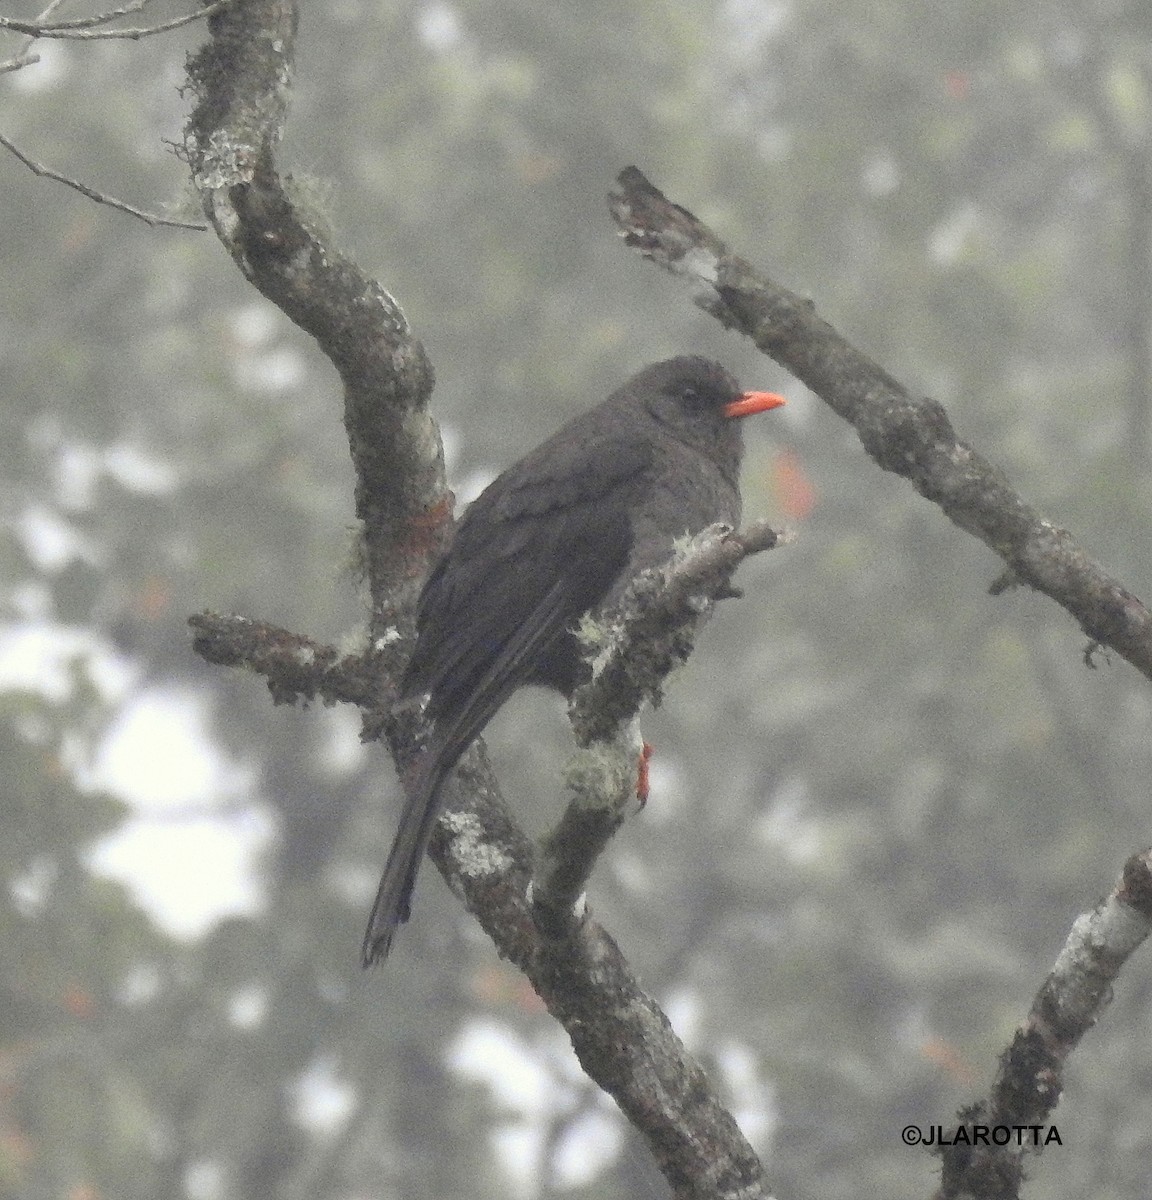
x: 699, y: 402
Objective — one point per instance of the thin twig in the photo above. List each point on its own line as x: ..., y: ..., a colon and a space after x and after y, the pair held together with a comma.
x: 42, y: 24
x: 38, y: 168
x: 134, y: 34
x: 25, y: 57
x: 46, y: 12
x: 19, y: 61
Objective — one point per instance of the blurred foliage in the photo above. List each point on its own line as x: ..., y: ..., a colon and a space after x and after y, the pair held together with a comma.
x: 880, y: 795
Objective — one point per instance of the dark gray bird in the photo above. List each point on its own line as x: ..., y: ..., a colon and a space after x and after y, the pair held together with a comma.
x: 560, y: 533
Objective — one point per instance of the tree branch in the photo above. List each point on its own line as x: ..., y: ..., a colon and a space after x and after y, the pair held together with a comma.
x: 653, y: 632
x: 26, y: 56
x: 623, y: 1040
x: 913, y: 437
x: 20, y: 60
x: 294, y: 667
x: 620, y: 1035
x: 242, y: 79
x: 44, y: 172
x: 906, y: 434
x: 1030, y: 1081
x: 655, y: 628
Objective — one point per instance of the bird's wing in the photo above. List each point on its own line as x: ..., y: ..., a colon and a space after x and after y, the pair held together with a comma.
x: 536, y: 550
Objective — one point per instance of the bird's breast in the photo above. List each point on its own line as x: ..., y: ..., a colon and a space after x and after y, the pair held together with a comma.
x: 684, y: 496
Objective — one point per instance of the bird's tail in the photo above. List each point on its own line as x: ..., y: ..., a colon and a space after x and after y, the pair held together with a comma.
x: 451, y: 736
x: 394, y: 896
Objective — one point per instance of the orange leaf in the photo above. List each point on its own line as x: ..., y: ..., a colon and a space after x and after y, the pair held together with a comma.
x: 794, y: 491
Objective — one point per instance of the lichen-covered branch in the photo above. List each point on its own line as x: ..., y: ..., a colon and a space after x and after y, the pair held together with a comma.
x: 656, y: 626
x: 1030, y: 1080
x: 294, y: 667
x: 635, y: 649
x: 910, y: 435
x: 241, y: 80
x: 625, y: 1043
x: 600, y: 789
x: 619, y: 1033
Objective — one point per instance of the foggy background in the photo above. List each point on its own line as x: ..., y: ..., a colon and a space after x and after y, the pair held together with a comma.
x: 880, y: 795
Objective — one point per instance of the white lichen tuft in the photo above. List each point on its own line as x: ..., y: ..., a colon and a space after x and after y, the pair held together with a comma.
x: 606, y: 770
x: 701, y: 263
x: 475, y: 857
x: 224, y: 163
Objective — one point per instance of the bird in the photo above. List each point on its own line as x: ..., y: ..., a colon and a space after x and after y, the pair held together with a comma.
x: 561, y: 533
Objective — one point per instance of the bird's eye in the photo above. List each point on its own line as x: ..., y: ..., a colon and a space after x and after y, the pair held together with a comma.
x: 691, y: 395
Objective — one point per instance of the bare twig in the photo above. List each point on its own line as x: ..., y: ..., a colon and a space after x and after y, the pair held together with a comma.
x: 17, y: 62
x: 41, y: 24
x: 81, y: 28
x: 40, y: 169
x: 25, y: 56
x: 43, y: 15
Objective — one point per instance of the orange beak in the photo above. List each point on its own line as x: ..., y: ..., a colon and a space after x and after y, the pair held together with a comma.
x: 752, y: 402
